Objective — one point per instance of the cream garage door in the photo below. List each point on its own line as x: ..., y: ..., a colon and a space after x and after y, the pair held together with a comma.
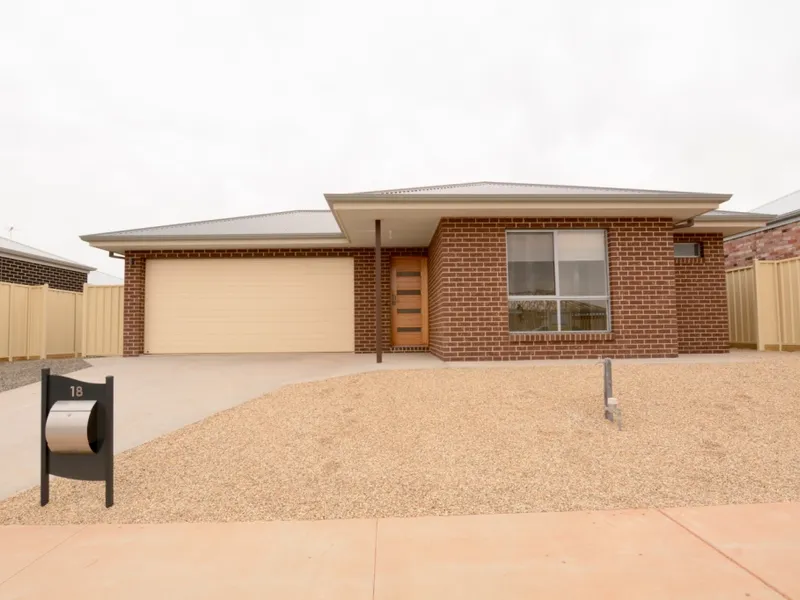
x: 220, y: 305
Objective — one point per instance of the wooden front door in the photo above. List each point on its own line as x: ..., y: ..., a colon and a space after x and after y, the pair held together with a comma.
x: 410, y: 301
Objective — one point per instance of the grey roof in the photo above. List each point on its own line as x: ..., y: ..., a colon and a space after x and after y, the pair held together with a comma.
x: 9, y: 247
x: 294, y: 223
x: 500, y: 188
x: 100, y: 278
x: 785, y: 204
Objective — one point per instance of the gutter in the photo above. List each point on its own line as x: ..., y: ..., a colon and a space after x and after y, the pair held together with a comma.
x: 214, y: 237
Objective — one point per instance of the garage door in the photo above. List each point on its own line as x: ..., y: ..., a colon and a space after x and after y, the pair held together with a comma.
x: 249, y: 305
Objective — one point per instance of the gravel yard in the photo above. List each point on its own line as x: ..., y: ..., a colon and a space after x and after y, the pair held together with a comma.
x: 22, y: 372
x: 463, y: 441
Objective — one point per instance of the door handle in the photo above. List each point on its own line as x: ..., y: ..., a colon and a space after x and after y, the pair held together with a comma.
x: 394, y: 299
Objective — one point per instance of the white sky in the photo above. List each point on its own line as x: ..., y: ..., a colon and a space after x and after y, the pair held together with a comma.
x: 116, y: 115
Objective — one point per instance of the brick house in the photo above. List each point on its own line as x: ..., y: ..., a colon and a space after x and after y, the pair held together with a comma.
x: 26, y: 265
x: 480, y: 271
x: 778, y: 239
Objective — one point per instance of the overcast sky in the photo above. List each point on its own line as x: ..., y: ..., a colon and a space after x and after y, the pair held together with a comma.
x: 116, y: 115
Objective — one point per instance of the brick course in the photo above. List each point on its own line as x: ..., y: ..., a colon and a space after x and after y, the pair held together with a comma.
x: 469, y: 301
x: 702, y: 299
x: 364, y: 288
x: 773, y: 244
x: 29, y: 273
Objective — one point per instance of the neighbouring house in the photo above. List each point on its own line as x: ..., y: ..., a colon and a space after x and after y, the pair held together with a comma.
x: 777, y: 240
x: 100, y: 278
x: 24, y: 264
x: 477, y: 271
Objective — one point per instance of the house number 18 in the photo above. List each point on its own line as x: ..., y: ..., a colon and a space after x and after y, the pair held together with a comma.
x: 77, y: 391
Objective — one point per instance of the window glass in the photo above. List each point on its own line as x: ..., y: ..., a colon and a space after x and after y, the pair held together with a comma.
x: 584, y: 315
x: 582, y: 263
x: 532, y: 315
x: 688, y: 250
x: 531, y: 270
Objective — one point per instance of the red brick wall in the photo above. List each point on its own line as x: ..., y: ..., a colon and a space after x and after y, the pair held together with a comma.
x: 469, y: 302
x: 773, y: 244
x: 364, y: 288
x: 28, y: 273
x: 702, y: 299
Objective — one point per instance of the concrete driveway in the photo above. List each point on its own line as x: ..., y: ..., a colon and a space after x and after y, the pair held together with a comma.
x: 158, y: 394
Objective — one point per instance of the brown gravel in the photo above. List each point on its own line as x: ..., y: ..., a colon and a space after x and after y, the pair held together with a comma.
x: 22, y: 372
x: 463, y: 441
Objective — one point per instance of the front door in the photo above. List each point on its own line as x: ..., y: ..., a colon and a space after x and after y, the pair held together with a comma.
x: 410, y: 301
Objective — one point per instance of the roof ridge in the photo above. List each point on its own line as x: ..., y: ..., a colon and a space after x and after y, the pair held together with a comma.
x: 519, y: 184
x: 222, y: 220
x: 589, y: 187
x: 441, y: 186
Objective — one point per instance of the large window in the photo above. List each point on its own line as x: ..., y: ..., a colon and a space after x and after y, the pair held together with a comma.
x: 557, y: 281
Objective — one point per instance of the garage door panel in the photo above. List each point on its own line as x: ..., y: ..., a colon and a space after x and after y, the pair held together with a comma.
x: 249, y: 305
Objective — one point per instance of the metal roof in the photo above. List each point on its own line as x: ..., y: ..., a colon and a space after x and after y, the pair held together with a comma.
x: 294, y: 223
x: 783, y: 205
x: 23, y: 252
x: 100, y: 278
x: 501, y: 188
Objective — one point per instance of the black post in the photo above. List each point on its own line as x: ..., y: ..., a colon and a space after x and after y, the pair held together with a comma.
x: 109, y: 442
x: 378, y: 324
x: 44, y: 472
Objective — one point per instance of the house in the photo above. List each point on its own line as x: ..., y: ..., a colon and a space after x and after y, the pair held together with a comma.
x: 777, y: 240
x: 24, y: 264
x: 100, y: 278
x: 476, y: 271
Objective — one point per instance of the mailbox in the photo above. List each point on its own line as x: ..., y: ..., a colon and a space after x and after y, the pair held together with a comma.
x: 77, y: 432
x: 72, y: 427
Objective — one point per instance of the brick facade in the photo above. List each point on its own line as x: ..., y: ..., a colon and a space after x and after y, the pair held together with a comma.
x: 364, y: 288
x: 702, y: 300
x: 772, y: 244
x: 29, y: 273
x: 469, y: 301
x: 660, y: 305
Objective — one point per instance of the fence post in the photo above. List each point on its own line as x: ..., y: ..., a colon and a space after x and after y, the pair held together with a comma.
x: 84, y: 322
x: 43, y: 332
x: 759, y: 325
x: 10, y: 324
x: 28, y: 323
x: 779, y: 303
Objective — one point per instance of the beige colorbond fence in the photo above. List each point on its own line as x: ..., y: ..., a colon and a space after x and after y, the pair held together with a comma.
x: 102, y: 315
x: 764, y: 305
x: 38, y: 322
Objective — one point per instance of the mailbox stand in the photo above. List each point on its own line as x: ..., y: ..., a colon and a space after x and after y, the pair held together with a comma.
x: 77, y: 432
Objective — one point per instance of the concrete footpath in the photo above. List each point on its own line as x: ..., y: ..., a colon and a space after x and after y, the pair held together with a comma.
x: 747, y: 551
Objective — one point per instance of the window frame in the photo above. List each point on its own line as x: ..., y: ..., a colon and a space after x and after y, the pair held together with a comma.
x: 558, y: 298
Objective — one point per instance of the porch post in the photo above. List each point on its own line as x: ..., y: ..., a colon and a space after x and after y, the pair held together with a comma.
x: 378, y: 332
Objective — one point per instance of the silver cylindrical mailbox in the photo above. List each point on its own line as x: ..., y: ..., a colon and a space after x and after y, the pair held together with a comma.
x: 71, y: 427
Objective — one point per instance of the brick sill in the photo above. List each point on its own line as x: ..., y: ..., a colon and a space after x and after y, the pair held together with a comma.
x: 556, y: 337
